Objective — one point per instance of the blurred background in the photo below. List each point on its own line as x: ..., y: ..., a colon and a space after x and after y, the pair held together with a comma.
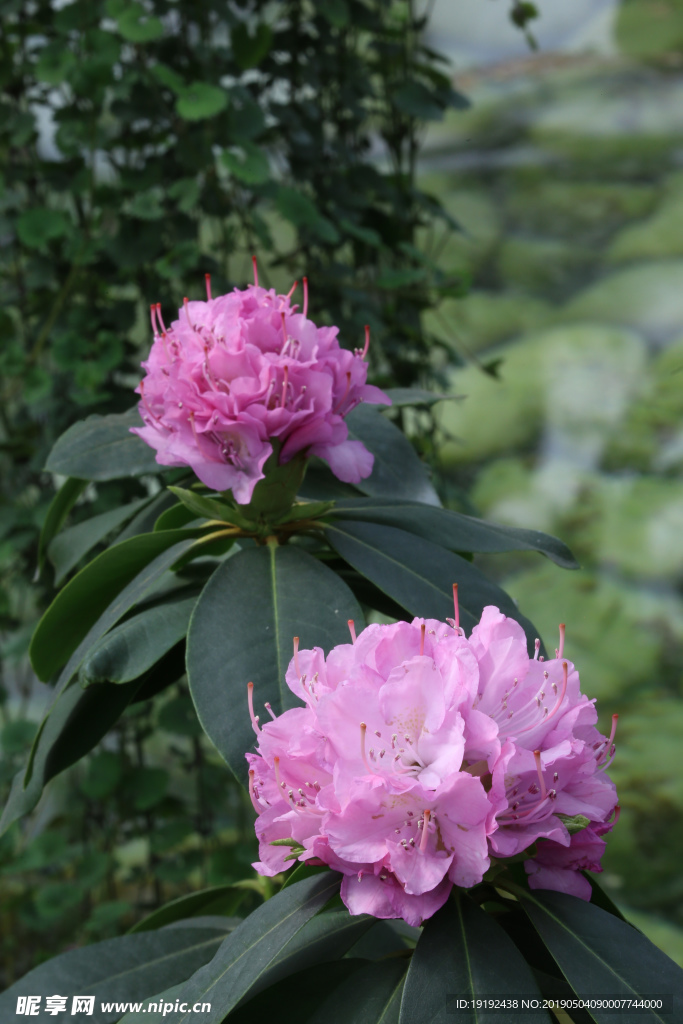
x: 524, y: 251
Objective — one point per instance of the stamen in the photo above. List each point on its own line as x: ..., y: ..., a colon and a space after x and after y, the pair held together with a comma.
x: 296, y: 656
x: 207, y: 278
x: 253, y: 263
x: 160, y: 318
x: 456, y: 613
x: 560, y: 650
x: 343, y: 397
x: 146, y: 403
x: 352, y: 630
x: 186, y: 304
x: 617, y: 813
x: 363, y: 730
x: 367, y: 341
x: 276, y: 766
x: 539, y: 769
x: 250, y: 700
x: 270, y: 710
x: 305, y: 309
x: 290, y: 293
x: 537, y: 648
x: 152, y: 317
x: 252, y: 794
x: 284, y: 332
x: 422, y: 639
x: 194, y: 429
x: 423, y: 840
x: 285, y: 382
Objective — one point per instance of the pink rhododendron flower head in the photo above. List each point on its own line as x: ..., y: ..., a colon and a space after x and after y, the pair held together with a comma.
x: 418, y: 755
x: 241, y: 374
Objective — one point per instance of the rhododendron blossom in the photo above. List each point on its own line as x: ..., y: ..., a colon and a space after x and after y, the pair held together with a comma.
x: 418, y: 756
x: 236, y: 374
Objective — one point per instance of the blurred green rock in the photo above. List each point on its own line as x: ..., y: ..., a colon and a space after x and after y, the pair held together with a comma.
x: 483, y: 319
x: 649, y: 28
x: 660, y: 236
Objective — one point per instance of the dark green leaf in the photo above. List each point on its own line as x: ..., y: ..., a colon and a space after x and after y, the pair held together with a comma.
x: 69, y: 546
x: 131, y: 967
x: 208, y: 508
x: 371, y: 995
x: 336, y: 12
x: 397, y: 472
x: 601, y: 955
x: 103, y: 448
x: 420, y: 575
x: 220, y: 899
x: 175, y: 518
x: 60, y: 506
x: 463, y: 953
x: 452, y: 530
x: 241, y: 631
x: 248, y: 163
x: 249, y: 50
x: 391, y: 279
x: 303, y: 213
x: 39, y: 226
x: 133, y: 647
x: 76, y: 722
x: 293, y: 1000
x: 325, y: 937
x: 136, y: 26
x: 88, y: 605
x: 248, y: 953
x: 416, y: 100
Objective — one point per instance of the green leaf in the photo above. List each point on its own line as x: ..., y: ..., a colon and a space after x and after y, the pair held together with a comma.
x: 88, y: 605
x: 207, y: 508
x: 325, y: 937
x: 60, y: 506
x: 75, y: 723
x: 302, y: 871
x: 200, y: 101
x: 415, y: 397
x: 103, y: 448
x: 452, y: 530
x: 416, y: 100
x: 372, y: 995
x: 462, y: 953
x: 249, y: 50
x: 599, y: 954
x: 135, y: 25
x: 248, y: 163
x: 69, y: 547
x: 170, y: 78
x: 391, y: 279
x: 55, y: 63
x: 248, y: 953
x: 420, y: 575
x: 241, y: 631
x: 134, y: 646
x: 397, y: 472
x: 220, y: 899
x: 302, y: 212
x: 175, y: 518
x: 336, y: 12
x: 131, y: 967
x: 40, y: 225
x: 574, y: 823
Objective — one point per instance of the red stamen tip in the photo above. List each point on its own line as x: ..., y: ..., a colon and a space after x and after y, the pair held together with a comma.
x: 254, y: 265
x: 422, y: 639
x: 456, y: 614
x: 352, y: 630
x: 305, y: 309
x: 367, y: 341
x: 207, y: 278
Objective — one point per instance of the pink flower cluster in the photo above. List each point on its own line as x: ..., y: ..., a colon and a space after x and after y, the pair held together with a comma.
x: 235, y: 373
x: 419, y: 756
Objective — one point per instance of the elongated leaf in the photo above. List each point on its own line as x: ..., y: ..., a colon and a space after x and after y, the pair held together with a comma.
x: 293, y: 1000
x: 145, y: 520
x: 420, y: 575
x: 83, y: 601
x: 325, y: 937
x: 131, y: 967
x: 220, y: 899
x: 371, y: 995
x: 103, y: 448
x: 175, y: 518
x: 69, y: 546
x: 464, y: 954
x: 249, y: 951
x: 416, y: 397
x: 452, y: 530
x: 601, y: 955
x: 397, y: 472
x: 241, y: 631
x: 320, y: 484
x: 134, y: 646
x: 208, y: 508
x: 60, y: 506
x: 75, y: 723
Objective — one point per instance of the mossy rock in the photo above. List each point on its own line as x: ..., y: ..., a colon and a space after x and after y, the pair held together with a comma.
x: 588, y: 211
x: 547, y: 266
x: 578, y: 379
x: 658, y: 237
x: 639, y: 528
x: 609, y: 643
x: 480, y: 225
x: 649, y: 28
x: 483, y: 319
x: 646, y: 297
